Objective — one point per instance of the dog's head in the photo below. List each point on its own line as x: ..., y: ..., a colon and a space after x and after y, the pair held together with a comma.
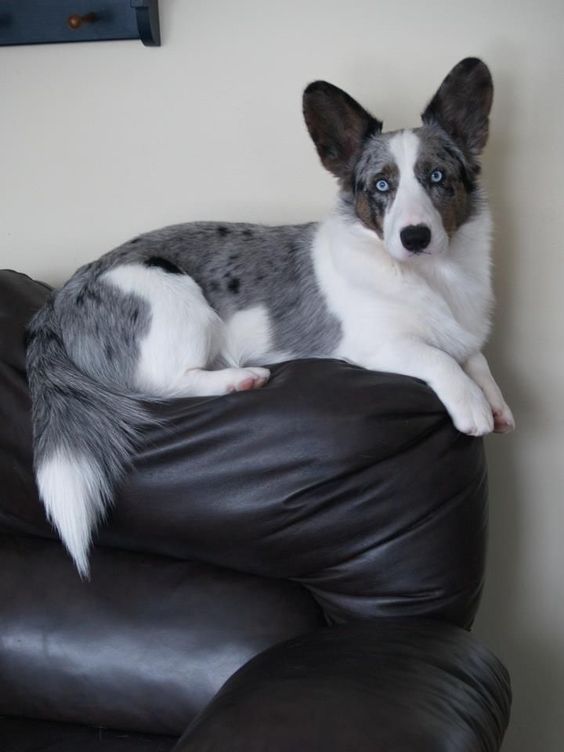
x: 413, y: 188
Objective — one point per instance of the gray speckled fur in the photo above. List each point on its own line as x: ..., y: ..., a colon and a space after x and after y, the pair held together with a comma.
x: 238, y: 266
x: 101, y: 327
x: 83, y: 347
x: 72, y: 413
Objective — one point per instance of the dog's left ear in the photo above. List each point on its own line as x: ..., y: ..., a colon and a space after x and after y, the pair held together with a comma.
x: 462, y: 105
x: 338, y: 125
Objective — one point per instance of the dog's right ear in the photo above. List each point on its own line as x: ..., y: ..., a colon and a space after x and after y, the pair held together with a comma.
x: 338, y: 125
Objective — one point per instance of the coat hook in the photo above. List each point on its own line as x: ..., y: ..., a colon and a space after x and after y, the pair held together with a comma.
x: 75, y: 21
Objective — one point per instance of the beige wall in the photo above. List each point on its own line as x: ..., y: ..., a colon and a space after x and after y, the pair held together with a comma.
x: 101, y: 141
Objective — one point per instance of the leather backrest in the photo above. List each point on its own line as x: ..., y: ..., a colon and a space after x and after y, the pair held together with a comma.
x: 350, y: 482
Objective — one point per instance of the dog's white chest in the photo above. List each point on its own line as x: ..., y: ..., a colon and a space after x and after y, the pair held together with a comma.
x: 381, y: 303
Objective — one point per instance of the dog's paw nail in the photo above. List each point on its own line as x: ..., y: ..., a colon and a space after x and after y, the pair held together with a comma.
x: 503, y: 420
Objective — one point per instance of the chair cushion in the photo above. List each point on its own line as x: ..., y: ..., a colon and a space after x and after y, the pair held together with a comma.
x: 407, y: 686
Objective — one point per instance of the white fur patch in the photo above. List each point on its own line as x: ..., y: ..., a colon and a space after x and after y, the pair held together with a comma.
x: 248, y: 336
x: 184, y: 333
x: 72, y: 491
x: 442, y: 301
x: 411, y: 205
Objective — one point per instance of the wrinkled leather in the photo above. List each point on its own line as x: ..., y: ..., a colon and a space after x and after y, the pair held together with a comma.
x: 351, y: 482
x: 389, y: 686
x: 144, y: 645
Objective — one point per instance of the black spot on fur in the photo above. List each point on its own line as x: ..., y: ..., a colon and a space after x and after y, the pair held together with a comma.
x: 87, y: 293
x: 109, y: 350
x: 135, y: 240
x: 52, y: 338
x: 247, y: 234
x: 222, y: 231
x: 164, y: 264
x: 233, y: 285
x: 134, y: 318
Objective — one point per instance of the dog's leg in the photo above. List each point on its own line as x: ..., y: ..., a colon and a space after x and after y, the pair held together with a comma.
x: 462, y: 397
x: 185, y: 337
x: 478, y: 369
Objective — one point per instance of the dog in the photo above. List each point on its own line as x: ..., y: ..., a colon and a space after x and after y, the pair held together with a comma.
x: 397, y: 279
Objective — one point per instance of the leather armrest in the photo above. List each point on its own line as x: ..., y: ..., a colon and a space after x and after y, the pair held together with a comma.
x: 389, y: 686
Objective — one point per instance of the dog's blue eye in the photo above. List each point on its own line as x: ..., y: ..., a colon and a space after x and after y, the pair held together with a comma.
x: 437, y: 176
x: 382, y: 185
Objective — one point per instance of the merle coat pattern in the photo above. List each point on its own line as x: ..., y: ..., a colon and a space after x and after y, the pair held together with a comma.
x: 397, y: 278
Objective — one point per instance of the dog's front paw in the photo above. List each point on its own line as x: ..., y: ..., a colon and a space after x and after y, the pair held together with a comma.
x: 472, y: 413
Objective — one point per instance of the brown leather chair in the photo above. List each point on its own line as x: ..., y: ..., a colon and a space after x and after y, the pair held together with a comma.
x: 317, y: 544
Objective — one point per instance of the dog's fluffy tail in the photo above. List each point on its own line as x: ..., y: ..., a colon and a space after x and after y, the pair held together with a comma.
x: 83, y: 435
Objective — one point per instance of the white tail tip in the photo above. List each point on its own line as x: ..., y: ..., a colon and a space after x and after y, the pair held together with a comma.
x: 73, y: 492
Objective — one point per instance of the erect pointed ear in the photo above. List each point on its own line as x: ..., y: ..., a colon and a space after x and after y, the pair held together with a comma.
x: 462, y: 105
x: 338, y: 125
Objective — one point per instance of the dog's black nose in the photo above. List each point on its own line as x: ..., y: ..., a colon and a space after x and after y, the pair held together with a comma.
x: 415, y: 238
